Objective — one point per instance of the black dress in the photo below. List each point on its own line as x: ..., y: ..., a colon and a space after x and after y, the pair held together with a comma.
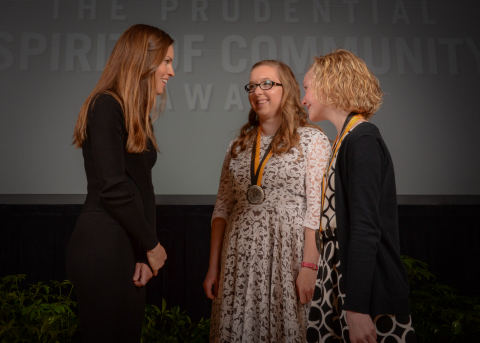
x: 115, y: 228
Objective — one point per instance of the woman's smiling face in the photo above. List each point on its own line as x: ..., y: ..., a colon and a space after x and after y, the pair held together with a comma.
x: 266, y: 103
x: 316, y: 110
x: 164, y: 71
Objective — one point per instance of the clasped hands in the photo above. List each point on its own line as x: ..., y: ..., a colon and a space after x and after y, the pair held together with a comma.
x: 156, y: 258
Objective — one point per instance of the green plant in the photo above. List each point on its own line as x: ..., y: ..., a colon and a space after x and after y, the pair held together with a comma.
x: 38, y: 314
x: 43, y: 313
x: 439, y: 314
x: 172, y: 326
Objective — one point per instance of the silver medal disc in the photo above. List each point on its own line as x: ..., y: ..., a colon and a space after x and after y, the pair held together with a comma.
x: 255, y: 194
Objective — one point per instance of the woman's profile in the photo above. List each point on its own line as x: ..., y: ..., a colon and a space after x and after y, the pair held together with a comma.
x: 362, y: 289
x: 114, y: 250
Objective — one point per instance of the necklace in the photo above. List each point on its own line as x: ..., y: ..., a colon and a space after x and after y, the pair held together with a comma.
x: 255, y: 192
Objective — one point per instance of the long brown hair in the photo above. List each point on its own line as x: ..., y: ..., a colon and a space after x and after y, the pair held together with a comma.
x: 129, y: 76
x: 293, y: 115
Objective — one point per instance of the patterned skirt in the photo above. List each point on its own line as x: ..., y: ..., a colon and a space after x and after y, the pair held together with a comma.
x: 261, y: 256
x: 327, y: 321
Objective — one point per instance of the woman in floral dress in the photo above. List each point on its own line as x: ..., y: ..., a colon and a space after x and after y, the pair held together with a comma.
x: 267, y: 209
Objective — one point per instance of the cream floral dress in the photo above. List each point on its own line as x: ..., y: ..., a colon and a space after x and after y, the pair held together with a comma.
x: 263, y: 244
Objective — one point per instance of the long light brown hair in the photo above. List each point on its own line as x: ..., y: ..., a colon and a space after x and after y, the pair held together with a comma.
x: 342, y: 80
x: 293, y: 115
x: 129, y: 76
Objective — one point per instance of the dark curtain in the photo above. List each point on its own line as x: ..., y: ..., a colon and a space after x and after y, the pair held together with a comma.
x: 33, y: 241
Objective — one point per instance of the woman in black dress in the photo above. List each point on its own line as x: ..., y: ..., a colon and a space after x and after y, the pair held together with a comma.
x: 361, y: 294
x: 114, y: 250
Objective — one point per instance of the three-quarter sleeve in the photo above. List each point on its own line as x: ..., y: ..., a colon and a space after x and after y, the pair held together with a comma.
x: 364, y: 186
x: 317, y: 158
x: 106, y: 130
x: 224, y: 202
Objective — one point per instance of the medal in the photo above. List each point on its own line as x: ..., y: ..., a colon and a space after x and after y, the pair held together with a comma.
x: 255, y: 193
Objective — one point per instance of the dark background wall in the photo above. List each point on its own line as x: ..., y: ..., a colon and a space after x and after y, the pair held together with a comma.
x: 33, y: 241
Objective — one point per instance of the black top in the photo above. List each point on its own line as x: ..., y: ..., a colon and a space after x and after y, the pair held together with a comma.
x: 119, y: 182
x: 375, y: 280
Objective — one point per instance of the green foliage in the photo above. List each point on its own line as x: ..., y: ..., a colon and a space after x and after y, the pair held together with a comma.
x: 439, y: 314
x: 43, y: 313
x: 38, y: 314
x: 172, y: 326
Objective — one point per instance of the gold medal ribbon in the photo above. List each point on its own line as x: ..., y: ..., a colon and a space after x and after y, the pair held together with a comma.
x: 336, y: 146
x: 257, y: 165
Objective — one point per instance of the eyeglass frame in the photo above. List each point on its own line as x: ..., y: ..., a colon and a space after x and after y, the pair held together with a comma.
x: 258, y: 85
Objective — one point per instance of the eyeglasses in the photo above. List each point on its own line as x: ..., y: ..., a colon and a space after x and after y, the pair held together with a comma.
x: 264, y: 85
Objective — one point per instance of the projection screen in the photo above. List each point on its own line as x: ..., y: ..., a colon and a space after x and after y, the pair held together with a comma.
x: 426, y: 55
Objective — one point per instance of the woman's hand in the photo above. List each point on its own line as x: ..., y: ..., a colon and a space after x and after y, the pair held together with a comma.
x: 142, y: 274
x: 361, y: 328
x: 156, y: 257
x: 211, y: 280
x: 305, y: 284
x: 307, y: 277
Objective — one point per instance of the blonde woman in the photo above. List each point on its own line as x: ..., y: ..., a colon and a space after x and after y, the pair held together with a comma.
x: 361, y: 294
x: 265, y: 217
x: 114, y: 244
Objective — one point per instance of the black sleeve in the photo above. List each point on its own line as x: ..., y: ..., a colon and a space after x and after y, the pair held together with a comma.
x: 364, y: 175
x: 106, y: 131
x: 151, y: 216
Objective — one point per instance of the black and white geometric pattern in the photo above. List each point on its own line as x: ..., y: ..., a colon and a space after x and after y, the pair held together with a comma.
x: 327, y: 321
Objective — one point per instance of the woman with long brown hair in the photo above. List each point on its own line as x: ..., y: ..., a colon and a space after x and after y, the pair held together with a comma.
x: 114, y: 250
x: 263, y: 257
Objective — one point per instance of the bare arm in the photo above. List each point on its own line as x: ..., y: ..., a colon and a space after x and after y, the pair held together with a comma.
x: 307, y: 276
x: 213, y: 274
x: 223, y: 208
x: 310, y: 252
x: 318, y: 154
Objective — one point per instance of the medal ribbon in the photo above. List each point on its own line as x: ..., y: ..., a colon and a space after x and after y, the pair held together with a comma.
x: 257, y: 166
x: 336, y: 146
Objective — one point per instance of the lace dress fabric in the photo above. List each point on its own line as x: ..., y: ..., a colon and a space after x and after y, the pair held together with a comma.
x: 263, y: 244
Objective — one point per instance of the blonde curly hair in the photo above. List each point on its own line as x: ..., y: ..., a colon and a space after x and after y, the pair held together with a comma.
x: 293, y: 115
x: 342, y: 80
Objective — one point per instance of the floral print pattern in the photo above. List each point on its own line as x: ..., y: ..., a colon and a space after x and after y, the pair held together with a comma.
x: 263, y: 244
